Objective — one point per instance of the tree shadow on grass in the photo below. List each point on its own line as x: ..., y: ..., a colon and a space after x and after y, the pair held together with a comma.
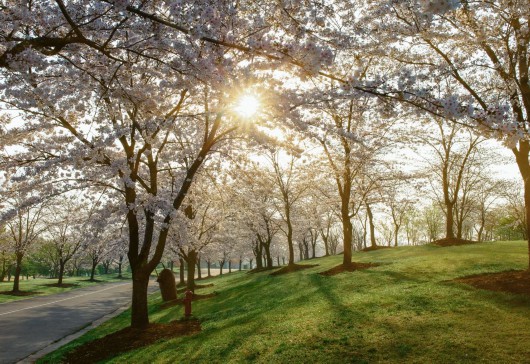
x: 63, y: 285
x: 20, y: 293
x: 291, y: 268
x: 352, y: 267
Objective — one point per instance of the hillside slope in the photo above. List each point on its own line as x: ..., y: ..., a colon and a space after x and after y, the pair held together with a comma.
x: 408, y: 309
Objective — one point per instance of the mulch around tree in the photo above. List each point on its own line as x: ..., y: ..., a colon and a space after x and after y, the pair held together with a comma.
x: 197, y: 286
x: 348, y: 268
x: 377, y: 247
x: 453, y: 242
x: 180, y: 301
x: 129, y: 339
x: 513, y: 281
x: 20, y: 293
x: 64, y: 285
x: 293, y: 268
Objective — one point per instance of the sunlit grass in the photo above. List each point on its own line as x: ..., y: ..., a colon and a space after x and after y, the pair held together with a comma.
x: 406, y: 310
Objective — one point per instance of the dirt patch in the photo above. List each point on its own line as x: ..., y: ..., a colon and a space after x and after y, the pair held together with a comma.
x: 453, y: 242
x: 64, y: 285
x: 19, y: 293
x: 293, y: 268
x: 130, y: 339
x: 377, y: 247
x: 513, y: 281
x: 348, y: 268
x: 180, y: 301
x: 197, y: 286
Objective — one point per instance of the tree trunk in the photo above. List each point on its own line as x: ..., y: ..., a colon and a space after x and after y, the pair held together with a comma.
x: 119, y: 269
x: 347, y: 231
x: 521, y: 157
x: 199, y: 273
x: 301, y: 251
x: 250, y: 261
x: 278, y: 260
x: 221, y: 263
x: 240, y: 263
x: 181, y: 272
x: 257, y: 254
x: 191, y: 260
x: 449, y: 221
x: 18, y: 269
x: 268, y: 254
x: 62, y: 263
x: 229, y: 266
x: 93, y: 271
x: 139, y: 311
x: 209, y: 263
x: 372, y: 226
x: 290, y: 237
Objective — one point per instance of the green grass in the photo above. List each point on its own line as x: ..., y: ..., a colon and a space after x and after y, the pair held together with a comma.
x: 40, y: 285
x: 405, y: 311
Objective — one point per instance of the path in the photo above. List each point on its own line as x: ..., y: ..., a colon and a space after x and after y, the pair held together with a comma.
x: 30, y: 325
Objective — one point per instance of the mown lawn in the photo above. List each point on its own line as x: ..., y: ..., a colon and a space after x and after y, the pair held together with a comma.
x: 40, y: 286
x: 405, y: 311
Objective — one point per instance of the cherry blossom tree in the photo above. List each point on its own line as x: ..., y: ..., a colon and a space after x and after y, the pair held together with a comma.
x: 23, y: 221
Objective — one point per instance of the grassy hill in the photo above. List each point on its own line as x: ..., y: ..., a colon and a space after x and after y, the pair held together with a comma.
x: 405, y: 310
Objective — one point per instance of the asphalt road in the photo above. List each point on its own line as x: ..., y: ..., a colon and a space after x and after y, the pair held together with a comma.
x: 30, y: 325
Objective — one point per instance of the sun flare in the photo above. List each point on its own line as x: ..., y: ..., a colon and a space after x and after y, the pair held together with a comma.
x: 247, y: 106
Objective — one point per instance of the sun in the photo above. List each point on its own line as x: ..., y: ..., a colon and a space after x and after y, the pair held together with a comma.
x: 247, y: 106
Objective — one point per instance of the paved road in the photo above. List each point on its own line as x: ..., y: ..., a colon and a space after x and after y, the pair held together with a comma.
x: 30, y: 325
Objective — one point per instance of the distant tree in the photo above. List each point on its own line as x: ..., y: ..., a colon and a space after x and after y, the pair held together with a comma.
x: 23, y: 222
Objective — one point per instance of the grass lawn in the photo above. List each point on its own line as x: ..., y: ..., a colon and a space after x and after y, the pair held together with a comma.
x: 40, y: 285
x: 406, y: 310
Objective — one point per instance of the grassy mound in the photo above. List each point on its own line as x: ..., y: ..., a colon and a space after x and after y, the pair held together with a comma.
x: 409, y: 309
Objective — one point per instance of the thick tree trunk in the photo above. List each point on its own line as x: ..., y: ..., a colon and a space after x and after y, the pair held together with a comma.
x: 93, y: 271
x: 527, y: 210
x: 347, y: 230
x: 18, y: 269
x: 521, y: 157
x: 139, y: 311
x: 268, y: 259
x: 221, y: 263
x: 257, y: 254
x: 62, y: 263
x: 119, y: 270
x: 191, y: 260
